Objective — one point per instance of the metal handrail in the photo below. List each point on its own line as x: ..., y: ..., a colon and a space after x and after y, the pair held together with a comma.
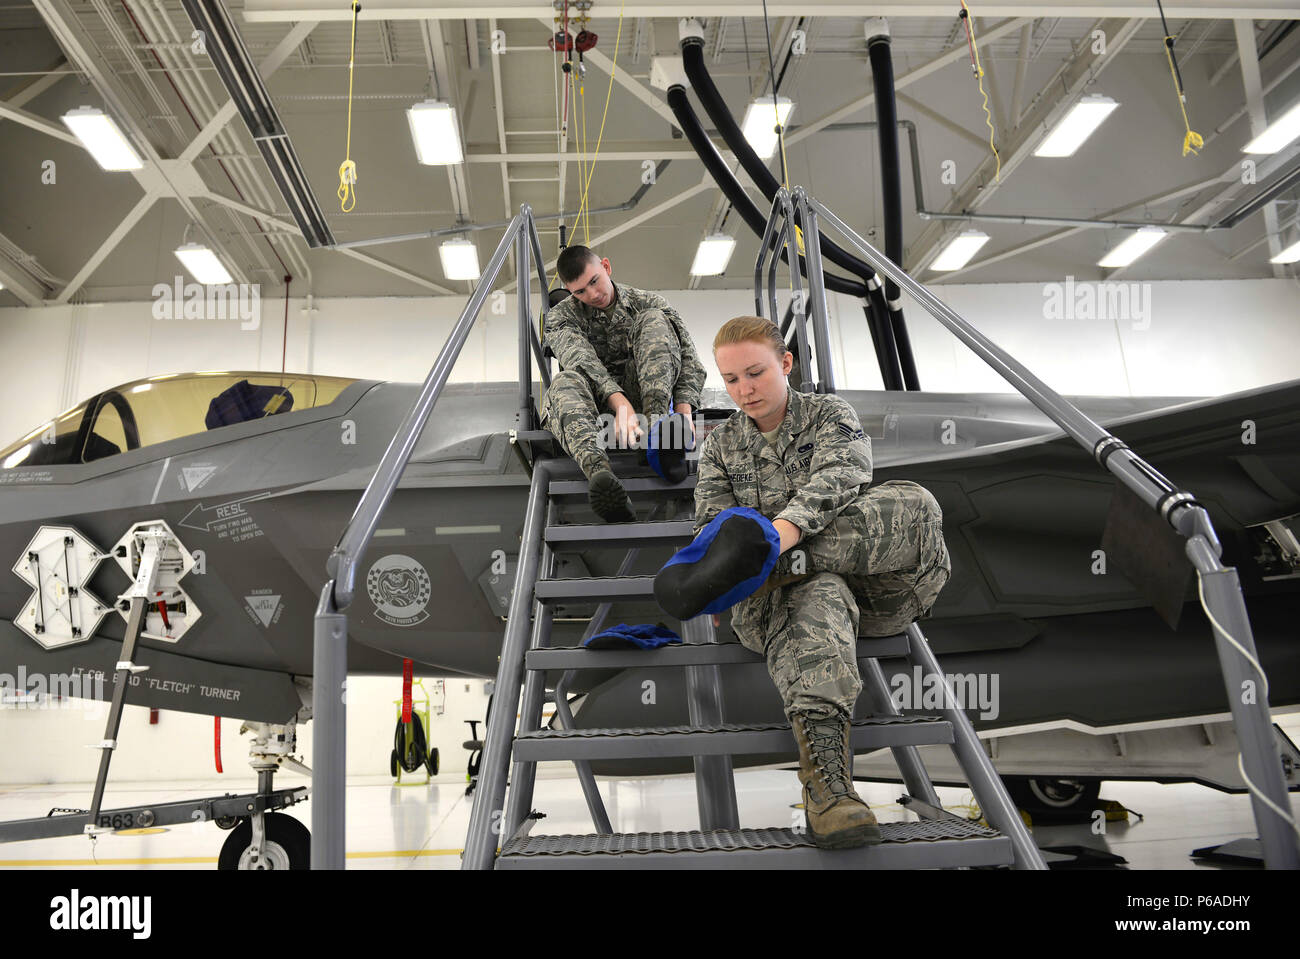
x: 1258, y: 762
x: 330, y: 637
x: 783, y: 208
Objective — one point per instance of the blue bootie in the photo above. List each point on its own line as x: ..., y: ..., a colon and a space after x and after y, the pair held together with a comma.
x: 729, y: 560
x: 667, y: 443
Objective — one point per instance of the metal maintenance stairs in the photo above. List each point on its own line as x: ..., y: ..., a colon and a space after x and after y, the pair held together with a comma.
x: 939, y: 840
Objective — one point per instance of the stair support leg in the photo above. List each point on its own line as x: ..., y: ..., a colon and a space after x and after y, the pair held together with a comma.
x: 715, y: 783
x: 1259, y: 754
x: 329, y: 740
x: 908, y: 758
x: 486, y: 820
x: 590, y: 792
x: 524, y: 775
x: 983, y: 778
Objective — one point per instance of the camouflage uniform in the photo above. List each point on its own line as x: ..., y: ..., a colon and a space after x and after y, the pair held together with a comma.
x: 637, y: 346
x: 875, y: 558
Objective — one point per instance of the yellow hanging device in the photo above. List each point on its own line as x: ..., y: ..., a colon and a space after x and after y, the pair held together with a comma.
x: 1192, y: 141
x: 348, y: 169
x: 978, y: 70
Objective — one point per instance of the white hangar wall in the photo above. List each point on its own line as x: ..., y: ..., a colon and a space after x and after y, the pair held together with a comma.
x: 1174, y: 338
x: 1184, y: 339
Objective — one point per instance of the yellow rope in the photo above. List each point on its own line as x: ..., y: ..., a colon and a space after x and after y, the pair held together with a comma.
x: 583, y: 162
x: 1193, y: 141
x: 348, y: 169
x: 785, y: 170
x: 979, y: 79
x: 592, y: 166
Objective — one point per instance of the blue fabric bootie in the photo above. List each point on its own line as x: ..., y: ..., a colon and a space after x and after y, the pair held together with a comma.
x: 669, y: 440
x: 728, y: 561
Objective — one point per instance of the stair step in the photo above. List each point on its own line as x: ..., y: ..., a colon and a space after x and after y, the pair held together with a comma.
x: 906, y: 845
x: 597, y: 588
x: 728, y: 739
x: 577, y: 489
x: 707, y: 654
x: 620, y: 535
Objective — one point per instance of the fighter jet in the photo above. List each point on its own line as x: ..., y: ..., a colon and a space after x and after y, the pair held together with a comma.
x: 254, y: 475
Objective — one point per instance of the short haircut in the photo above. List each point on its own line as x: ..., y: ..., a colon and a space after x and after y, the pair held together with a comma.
x: 751, y: 329
x: 573, y: 262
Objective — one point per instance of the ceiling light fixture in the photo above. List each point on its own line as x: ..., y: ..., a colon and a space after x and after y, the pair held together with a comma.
x: 1079, y: 123
x: 459, y: 260
x: 1290, y: 255
x: 99, y: 134
x: 713, y: 255
x: 1277, y: 134
x: 435, y: 132
x: 761, y: 121
x: 203, y: 264
x: 1135, y: 246
x: 959, y: 251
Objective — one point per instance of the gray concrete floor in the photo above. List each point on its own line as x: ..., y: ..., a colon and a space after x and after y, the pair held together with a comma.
x: 423, y: 826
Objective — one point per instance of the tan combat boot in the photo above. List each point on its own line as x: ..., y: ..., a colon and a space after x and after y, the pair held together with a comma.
x: 836, y: 816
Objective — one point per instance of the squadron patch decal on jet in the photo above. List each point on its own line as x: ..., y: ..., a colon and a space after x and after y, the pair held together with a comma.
x: 400, y: 589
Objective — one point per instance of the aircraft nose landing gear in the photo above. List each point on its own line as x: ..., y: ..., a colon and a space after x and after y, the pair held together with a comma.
x: 284, y: 843
x: 268, y: 840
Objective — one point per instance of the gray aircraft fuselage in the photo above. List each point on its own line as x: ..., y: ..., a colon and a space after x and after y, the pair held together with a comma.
x: 1024, y: 511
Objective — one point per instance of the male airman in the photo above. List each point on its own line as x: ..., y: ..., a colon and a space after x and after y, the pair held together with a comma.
x: 620, y: 349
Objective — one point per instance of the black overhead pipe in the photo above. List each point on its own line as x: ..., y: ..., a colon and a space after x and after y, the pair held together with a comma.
x: 873, y: 306
x: 754, y: 218
x: 882, y: 75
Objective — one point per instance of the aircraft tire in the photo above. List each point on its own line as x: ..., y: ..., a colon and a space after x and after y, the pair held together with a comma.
x: 1041, y: 794
x: 288, y: 844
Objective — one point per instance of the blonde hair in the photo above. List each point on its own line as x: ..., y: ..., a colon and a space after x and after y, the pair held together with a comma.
x: 751, y: 329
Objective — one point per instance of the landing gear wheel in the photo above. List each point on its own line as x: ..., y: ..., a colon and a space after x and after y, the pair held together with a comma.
x: 1053, y: 795
x: 431, y: 763
x: 392, y: 763
x: 287, y: 845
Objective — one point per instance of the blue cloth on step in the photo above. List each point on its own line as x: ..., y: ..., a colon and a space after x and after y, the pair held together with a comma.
x: 643, y: 635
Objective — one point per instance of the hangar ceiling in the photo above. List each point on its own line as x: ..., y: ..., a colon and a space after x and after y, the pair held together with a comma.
x: 70, y: 231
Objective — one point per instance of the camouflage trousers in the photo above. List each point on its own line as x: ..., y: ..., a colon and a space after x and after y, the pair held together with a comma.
x: 888, y: 545
x: 877, y: 568
x: 569, y: 408
x: 807, y: 631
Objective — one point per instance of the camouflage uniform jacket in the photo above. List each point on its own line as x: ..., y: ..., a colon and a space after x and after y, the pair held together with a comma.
x: 598, y: 342
x: 820, y: 462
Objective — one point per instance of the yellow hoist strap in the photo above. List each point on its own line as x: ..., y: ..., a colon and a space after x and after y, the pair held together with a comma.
x: 348, y: 169
x: 979, y: 79
x: 1192, y: 141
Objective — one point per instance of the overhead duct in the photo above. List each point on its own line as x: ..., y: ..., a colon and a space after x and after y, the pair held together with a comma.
x: 891, y: 183
x: 754, y: 218
x: 226, y: 49
x: 692, y: 46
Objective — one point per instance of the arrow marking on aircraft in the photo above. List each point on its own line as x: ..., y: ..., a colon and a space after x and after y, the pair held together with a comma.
x: 217, y: 514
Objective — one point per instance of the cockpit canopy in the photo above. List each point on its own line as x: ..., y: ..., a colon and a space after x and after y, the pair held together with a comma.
x: 161, y: 408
